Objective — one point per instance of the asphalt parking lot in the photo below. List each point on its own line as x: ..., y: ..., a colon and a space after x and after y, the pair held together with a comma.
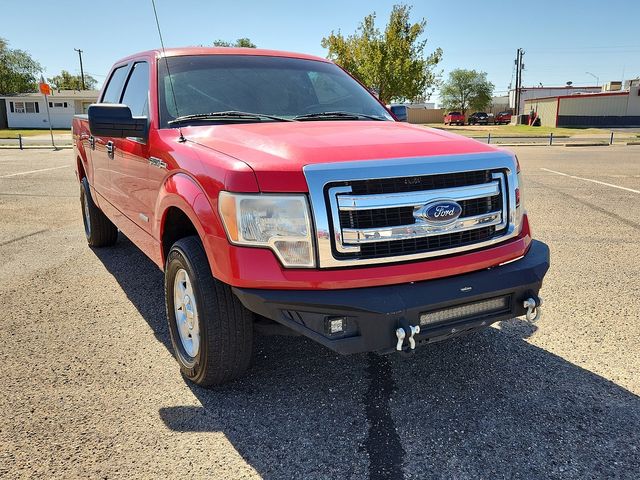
x: 90, y: 388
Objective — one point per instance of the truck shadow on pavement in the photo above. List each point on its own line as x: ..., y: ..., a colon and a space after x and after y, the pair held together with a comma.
x: 489, y: 405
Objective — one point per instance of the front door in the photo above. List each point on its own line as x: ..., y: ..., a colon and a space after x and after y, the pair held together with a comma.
x: 129, y: 183
x: 102, y: 154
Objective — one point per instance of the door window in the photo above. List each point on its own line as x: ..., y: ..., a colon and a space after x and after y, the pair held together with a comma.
x: 136, y: 92
x: 114, y: 87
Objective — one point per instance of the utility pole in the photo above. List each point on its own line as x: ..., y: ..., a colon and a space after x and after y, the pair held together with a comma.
x: 516, y: 102
x: 81, y: 70
x: 519, y: 68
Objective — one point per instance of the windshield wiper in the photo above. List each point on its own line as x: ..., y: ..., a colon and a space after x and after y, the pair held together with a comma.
x: 229, y: 114
x: 340, y: 115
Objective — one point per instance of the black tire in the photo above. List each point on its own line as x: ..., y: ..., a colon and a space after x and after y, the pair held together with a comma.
x: 225, y: 325
x: 98, y: 229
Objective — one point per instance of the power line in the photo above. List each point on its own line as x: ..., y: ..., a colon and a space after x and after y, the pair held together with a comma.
x: 513, y: 72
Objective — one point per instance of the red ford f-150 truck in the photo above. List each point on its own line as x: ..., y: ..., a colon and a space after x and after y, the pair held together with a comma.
x: 272, y: 186
x: 454, y: 117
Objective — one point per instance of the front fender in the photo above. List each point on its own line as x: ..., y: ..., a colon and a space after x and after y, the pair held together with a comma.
x: 183, y: 192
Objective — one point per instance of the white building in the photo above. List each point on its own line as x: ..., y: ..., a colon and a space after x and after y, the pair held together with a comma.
x: 28, y: 110
x: 527, y: 93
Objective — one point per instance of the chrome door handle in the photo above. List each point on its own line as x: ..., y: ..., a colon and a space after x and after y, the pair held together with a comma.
x: 110, y: 148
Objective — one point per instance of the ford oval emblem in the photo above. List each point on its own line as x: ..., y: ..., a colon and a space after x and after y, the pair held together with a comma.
x: 440, y: 212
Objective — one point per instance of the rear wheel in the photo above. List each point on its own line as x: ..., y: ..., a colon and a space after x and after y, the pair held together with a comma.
x: 98, y: 229
x: 211, y: 331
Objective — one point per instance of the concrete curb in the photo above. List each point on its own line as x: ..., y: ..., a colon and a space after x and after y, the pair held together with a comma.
x: 512, y: 137
x: 593, y: 144
x: 536, y: 144
x: 35, y: 147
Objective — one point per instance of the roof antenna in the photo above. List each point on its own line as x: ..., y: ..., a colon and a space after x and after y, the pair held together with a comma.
x: 166, y: 62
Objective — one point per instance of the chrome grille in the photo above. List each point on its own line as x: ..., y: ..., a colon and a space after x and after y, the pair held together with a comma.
x: 383, y: 224
x: 361, y: 219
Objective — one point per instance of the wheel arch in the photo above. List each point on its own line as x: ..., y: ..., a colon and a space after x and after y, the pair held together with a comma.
x: 80, y: 168
x: 183, y: 209
x: 176, y: 225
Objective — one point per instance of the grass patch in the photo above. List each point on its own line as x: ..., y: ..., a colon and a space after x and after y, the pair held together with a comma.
x: 517, y: 130
x: 13, y: 133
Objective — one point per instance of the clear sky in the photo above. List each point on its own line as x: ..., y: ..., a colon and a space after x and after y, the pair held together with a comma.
x: 563, y: 39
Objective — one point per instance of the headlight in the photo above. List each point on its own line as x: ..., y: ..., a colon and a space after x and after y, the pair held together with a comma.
x: 279, y: 222
x: 519, y: 197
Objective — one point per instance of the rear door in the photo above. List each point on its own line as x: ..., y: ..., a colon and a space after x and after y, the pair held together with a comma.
x: 102, y: 147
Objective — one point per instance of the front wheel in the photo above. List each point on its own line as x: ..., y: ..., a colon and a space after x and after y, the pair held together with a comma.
x: 211, y: 331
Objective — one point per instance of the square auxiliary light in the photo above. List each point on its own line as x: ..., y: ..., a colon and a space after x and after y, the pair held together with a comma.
x: 469, y: 310
x: 336, y: 325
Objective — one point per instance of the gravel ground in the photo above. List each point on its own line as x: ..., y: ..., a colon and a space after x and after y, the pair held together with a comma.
x: 90, y: 388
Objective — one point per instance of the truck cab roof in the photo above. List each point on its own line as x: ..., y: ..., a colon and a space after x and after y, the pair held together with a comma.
x: 186, y: 51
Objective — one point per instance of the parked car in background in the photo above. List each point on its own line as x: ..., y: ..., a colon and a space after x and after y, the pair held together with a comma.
x: 454, y: 117
x: 400, y: 111
x: 503, y: 118
x: 480, y: 118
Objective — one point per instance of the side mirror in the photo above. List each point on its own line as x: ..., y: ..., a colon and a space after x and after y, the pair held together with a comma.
x: 115, y: 120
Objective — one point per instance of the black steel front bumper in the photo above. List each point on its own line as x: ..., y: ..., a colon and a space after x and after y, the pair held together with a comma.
x: 371, y: 315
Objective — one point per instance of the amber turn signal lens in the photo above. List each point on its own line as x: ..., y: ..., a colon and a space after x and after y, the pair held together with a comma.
x: 227, y: 206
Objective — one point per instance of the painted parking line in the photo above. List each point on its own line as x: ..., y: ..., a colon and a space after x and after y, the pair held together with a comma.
x: 591, y: 180
x: 34, y: 171
x: 22, y: 237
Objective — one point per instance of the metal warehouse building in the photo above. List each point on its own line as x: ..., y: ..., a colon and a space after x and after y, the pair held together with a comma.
x: 606, y: 109
x: 527, y: 93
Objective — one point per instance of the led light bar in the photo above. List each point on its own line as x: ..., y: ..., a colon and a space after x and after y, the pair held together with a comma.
x: 469, y: 310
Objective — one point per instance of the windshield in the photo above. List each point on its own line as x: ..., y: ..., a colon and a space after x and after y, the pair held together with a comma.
x: 276, y: 86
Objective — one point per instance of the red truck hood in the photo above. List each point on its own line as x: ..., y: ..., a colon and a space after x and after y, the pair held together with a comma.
x: 277, y: 151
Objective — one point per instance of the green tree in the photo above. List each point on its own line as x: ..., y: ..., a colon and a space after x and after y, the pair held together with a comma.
x: 241, y: 42
x: 67, y: 81
x: 465, y: 90
x: 391, y: 63
x: 18, y: 71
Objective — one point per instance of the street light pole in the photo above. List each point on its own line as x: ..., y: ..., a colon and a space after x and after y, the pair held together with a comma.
x: 594, y: 76
x: 81, y: 70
